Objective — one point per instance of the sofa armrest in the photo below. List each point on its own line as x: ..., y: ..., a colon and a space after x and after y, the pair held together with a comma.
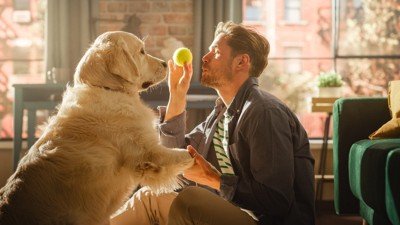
x: 354, y: 119
x: 393, y: 186
x: 367, y: 165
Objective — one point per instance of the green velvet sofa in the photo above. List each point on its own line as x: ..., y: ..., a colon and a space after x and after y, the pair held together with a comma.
x: 360, y: 164
x: 367, y: 175
x: 392, y: 179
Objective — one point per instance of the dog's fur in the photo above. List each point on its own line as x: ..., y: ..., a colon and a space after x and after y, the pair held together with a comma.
x: 99, y: 146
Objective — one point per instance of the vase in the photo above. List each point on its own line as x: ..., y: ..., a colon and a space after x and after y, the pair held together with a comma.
x: 330, y: 92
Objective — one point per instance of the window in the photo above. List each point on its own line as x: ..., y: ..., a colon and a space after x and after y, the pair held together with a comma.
x: 253, y: 10
x: 22, y: 11
x: 360, y: 41
x: 22, y: 53
x: 367, y: 48
x: 293, y: 10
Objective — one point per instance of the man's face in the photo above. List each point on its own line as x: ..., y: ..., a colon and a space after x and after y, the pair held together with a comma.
x: 217, y: 64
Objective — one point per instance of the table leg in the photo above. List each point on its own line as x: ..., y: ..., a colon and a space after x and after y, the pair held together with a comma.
x: 31, y: 127
x: 322, y: 162
x: 18, y: 117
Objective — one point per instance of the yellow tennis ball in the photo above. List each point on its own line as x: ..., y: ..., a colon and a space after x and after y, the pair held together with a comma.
x: 182, y: 56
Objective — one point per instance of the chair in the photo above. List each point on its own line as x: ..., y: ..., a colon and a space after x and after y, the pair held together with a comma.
x: 354, y: 119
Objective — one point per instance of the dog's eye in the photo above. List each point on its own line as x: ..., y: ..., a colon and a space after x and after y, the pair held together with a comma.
x: 142, y: 51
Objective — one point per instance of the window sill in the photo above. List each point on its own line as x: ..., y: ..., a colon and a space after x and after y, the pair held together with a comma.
x: 316, y: 144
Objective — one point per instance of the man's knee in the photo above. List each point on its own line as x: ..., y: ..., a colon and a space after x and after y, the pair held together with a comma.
x: 145, y: 207
x: 184, y: 200
x: 184, y: 205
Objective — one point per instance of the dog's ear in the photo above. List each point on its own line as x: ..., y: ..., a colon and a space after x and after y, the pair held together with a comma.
x: 120, y: 61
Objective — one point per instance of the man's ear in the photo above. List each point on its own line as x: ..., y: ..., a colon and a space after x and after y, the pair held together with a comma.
x: 242, y: 61
x: 120, y: 62
x: 245, y: 59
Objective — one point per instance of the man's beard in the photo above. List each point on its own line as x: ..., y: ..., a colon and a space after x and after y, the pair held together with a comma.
x: 215, y: 81
x: 210, y: 82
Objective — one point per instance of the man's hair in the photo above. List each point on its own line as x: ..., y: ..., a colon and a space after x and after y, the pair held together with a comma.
x: 244, y: 40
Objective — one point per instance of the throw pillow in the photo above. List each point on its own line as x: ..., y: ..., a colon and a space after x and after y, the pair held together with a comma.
x: 391, y: 129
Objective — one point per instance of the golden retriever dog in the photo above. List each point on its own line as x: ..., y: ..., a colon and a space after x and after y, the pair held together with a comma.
x: 99, y: 147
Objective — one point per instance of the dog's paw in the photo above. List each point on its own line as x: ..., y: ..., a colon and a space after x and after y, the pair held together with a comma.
x: 146, y: 167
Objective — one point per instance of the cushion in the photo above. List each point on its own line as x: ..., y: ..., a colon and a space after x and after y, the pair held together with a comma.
x: 391, y: 129
x: 394, y: 98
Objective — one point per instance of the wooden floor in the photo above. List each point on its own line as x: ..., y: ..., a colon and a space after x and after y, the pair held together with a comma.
x: 326, y: 216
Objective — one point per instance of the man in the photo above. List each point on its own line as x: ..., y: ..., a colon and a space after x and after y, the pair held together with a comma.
x: 252, y: 155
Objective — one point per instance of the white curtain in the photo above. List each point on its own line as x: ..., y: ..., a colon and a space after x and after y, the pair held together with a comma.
x: 206, y: 15
x: 67, y: 33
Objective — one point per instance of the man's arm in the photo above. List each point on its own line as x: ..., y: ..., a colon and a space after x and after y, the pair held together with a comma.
x: 172, y: 125
x: 178, y: 84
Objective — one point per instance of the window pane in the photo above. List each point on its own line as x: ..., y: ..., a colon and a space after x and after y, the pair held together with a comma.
x: 314, y: 35
x: 368, y: 27
x: 299, y: 52
x: 297, y: 90
x: 292, y: 10
x: 253, y: 10
x: 293, y: 3
x: 21, y: 55
x: 365, y: 51
x: 292, y: 15
x: 368, y: 77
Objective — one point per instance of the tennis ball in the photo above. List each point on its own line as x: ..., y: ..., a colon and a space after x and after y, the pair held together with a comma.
x: 182, y: 56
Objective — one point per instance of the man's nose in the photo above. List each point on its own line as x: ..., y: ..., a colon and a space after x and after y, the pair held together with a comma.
x: 205, y: 58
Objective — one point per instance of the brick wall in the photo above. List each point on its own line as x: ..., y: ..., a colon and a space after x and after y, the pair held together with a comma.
x: 154, y: 20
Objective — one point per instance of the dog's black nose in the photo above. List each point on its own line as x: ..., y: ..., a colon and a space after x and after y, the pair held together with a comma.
x: 145, y: 85
x: 164, y: 64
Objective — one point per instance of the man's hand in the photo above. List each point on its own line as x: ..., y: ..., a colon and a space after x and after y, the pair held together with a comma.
x: 202, y: 171
x: 178, y: 84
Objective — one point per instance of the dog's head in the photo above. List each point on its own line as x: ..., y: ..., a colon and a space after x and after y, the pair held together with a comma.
x: 118, y: 61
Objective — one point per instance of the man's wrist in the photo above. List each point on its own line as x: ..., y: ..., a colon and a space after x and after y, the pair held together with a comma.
x: 175, y: 107
x: 216, y: 182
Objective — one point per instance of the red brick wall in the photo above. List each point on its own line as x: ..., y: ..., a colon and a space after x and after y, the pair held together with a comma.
x: 159, y: 20
x: 315, y: 14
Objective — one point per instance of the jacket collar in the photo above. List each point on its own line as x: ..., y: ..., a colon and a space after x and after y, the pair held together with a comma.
x: 237, y: 104
x: 240, y: 98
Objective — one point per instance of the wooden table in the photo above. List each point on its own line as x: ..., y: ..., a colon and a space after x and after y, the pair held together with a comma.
x: 320, y: 104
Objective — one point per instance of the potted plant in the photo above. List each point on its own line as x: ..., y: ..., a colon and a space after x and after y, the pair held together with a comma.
x: 330, y: 84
